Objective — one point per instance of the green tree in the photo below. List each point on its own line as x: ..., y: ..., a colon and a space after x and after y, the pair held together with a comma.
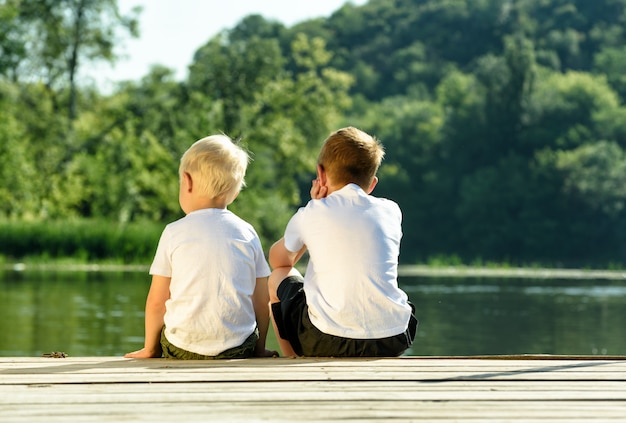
x: 12, y: 47
x: 284, y: 127
x: 583, y: 212
x: 123, y: 177
x: 611, y: 61
x: 411, y: 131
x: 232, y: 72
x: 507, y: 82
x: 596, y: 175
x: 17, y: 170
x: 42, y: 135
x: 566, y: 111
x: 60, y: 34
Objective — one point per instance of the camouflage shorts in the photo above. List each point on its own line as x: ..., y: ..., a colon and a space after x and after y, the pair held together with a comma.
x: 245, y: 350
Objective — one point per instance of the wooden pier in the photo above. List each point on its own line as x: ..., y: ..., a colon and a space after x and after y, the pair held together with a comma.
x: 407, y: 389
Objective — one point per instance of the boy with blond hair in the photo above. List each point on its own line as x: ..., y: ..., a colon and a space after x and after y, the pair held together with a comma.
x: 209, y: 297
x: 348, y: 304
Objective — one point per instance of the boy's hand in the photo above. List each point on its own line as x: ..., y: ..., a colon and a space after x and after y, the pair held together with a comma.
x: 143, y: 353
x: 318, y: 190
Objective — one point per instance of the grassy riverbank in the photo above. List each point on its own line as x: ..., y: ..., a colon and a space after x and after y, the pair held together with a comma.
x: 100, y: 245
x: 511, y: 272
x: 78, y: 241
x: 404, y: 270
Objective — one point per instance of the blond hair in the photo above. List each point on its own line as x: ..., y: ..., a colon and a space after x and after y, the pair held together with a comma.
x: 217, y: 165
x: 349, y: 155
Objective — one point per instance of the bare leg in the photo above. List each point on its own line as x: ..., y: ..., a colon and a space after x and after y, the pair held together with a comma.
x: 277, y: 276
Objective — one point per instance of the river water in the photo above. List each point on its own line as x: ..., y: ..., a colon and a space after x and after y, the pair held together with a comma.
x: 85, y: 313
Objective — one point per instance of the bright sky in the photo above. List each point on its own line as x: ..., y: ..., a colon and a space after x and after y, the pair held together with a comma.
x: 172, y: 30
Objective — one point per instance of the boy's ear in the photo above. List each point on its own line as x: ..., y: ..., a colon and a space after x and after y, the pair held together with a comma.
x: 321, y: 175
x: 188, y: 181
x: 372, y: 185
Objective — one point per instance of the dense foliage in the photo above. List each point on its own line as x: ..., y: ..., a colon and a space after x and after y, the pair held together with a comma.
x: 504, y: 121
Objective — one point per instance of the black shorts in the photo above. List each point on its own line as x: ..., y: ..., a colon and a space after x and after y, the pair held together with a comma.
x: 291, y: 316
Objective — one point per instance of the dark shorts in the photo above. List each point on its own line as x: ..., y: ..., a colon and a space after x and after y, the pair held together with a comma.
x: 291, y: 316
x: 245, y: 350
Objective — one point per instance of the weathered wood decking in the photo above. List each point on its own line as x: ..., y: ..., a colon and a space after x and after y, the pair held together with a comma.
x: 425, y: 389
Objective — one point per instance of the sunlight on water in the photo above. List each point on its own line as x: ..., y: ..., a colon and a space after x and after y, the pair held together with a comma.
x: 585, y: 291
x: 454, y: 289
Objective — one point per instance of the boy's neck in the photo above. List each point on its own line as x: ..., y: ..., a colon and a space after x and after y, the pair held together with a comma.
x: 332, y: 186
x: 208, y: 203
x: 335, y: 187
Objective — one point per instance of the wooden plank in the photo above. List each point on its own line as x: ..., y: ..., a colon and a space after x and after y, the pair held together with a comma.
x: 304, y: 410
x: 413, y: 361
x: 315, y: 391
x: 113, y: 389
x: 108, y: 364
x: 109, y: 370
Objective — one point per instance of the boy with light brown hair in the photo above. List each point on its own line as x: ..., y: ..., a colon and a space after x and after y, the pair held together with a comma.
x: 209, y: 297
x: 348, y: 304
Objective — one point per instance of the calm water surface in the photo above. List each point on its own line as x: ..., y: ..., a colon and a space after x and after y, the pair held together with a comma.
x: 101, y: 314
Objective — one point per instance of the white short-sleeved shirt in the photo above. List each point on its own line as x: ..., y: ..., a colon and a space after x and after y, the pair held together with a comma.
x: 213, y: 258
x: 353, y: 240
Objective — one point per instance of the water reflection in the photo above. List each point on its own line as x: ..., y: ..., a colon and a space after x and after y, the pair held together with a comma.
x: 474, y: 316
x: 101, y: 314
x: 81, y: 313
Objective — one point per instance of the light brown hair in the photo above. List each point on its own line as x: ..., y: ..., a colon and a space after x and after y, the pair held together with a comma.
x: 349, y: 155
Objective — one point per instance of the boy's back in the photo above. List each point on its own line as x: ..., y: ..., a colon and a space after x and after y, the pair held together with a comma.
x: 353, y: 240
x: 349, y: 302
x: 217, y: 256
x: 208, y: 298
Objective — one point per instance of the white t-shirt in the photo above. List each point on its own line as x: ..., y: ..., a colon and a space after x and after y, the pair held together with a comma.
x: 213, y: 258
x: 351, y: 286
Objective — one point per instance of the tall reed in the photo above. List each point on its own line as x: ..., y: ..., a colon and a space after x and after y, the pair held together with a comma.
x: 80, y: 239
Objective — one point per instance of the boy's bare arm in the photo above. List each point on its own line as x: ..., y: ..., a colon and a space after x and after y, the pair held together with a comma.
x: 155, y: 311
x: 260, y: 301
x: 280, y: 256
